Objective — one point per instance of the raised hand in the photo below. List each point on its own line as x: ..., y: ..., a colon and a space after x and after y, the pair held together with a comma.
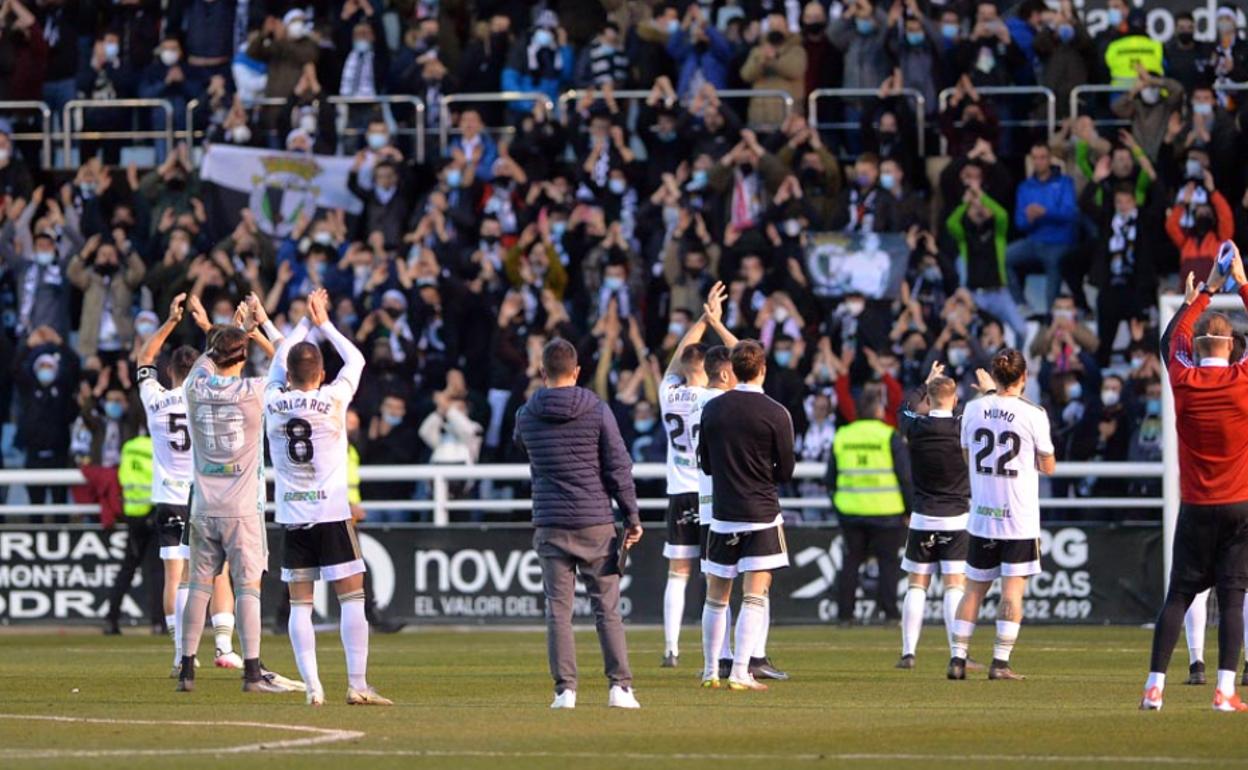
x: 256, y: 307
x: 938, y: 370
x: 714, y: 307
x: 198, y: 314
x: 983, y: 381
x: 176, y: 307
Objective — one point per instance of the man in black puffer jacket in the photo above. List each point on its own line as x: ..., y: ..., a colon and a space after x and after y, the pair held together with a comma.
x: 579, y: 465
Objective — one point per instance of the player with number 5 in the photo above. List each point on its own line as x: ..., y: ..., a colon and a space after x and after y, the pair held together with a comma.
x: 1006, y: 442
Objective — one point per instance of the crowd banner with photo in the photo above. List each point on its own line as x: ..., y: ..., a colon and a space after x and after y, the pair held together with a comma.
x: 873, y: 264
x: 492, y: 576
x: 276, y: 186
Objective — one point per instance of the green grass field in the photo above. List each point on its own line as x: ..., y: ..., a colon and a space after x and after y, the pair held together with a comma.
x: 479, y: 700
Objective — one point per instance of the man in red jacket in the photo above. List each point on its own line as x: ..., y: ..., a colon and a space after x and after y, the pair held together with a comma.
x: 1211, y: 538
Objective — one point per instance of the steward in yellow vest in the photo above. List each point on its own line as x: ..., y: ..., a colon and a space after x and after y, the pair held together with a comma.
x: 134, y: 474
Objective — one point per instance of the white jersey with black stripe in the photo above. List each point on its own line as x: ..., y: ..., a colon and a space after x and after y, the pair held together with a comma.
x: 172, y: 465
x: 677, y: 402
x: 1003, y: 437
x: 706, y: 496
x: 308, y: 435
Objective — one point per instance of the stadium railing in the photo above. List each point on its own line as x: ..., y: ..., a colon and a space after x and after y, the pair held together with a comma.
x: 441, y: 504
x: 569, y: 96
x: 44, y: 137
x: 837, y: 94
x: 72, y: 118
x: 444, y: 111
x: 1050, y: 105
x: 416, y: 131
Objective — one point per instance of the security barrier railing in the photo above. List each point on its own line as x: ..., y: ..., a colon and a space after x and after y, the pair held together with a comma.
x: 846, y: 94
x: 444, y: 116
x: 1050, y: 103
x: 441, y: 504
x: 44, y: 137
x: 72, y: 121
x: 416, y: 131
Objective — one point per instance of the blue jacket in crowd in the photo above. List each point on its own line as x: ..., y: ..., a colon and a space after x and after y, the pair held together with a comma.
x: 1057, y: 195
x: 713, y: 62
x: 579, y: 461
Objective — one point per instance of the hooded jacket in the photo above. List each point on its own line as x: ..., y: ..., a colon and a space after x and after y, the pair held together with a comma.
x: 579, y: 461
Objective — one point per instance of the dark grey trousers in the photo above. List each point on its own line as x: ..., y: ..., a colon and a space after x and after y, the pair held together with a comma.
x: 592, y: 552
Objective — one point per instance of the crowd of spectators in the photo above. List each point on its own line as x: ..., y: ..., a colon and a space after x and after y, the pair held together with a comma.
x: 606, y: 224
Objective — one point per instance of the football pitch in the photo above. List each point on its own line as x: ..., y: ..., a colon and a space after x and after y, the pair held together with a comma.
x: 479, y: 699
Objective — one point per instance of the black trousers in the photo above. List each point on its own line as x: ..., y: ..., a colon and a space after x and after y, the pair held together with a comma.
x: 142, y: 549
x: 1114, y: 304
x: 882, y: 537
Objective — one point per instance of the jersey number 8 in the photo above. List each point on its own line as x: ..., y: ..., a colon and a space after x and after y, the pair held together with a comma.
x: 299, y: 440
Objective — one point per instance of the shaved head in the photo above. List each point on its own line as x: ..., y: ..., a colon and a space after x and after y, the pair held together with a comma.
x: 1215, y: 337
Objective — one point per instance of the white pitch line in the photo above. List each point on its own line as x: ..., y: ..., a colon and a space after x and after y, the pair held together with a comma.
x: 320, y: 735
x: 808, y: 757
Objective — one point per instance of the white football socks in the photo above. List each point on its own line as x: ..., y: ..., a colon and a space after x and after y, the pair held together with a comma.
x: 674, y: 610
x: 749, y: 625
x: 963, y: 630
x: 725, y: 622
x: 912, y: 607
x: 953, y: 597
x: 760, y: 649
x: 1155, y: 679
x: 223, y: 630
x: 1194, y: 623
x: 353, y: 628
x: 1226, y: 682
x: 714, y: 636
x: 179, y: 608
x: 303, y: 642
x: 1007, y: 635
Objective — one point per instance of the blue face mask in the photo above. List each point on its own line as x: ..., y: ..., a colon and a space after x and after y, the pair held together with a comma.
x: 114, y: 410
x: 914, y: 38
x: 949, y: 31
x: 393, y: 420
x: 454, y: 177
x: 1074, y: 391
x: 377, y: 141
x: 558, y: 228
x: 888, y: 181
x: 613, y: 283
x: 617, y: 186
x: 45, y: 376
x: 1114, y: 17
x: 784, y: 357
x: 543, y: 38
x: 864, y: 26
x: 1065, y: 33
x: 223, y: 320
x: 698, y: 180
x: 644, y: 426
x: 1152, y: 407
x: 673, y: 26
x: 665, y: 136
x: 350, y: 319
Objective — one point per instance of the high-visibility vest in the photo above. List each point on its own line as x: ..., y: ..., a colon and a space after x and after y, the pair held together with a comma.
x: 353, y: 475
x: 866, y: 483
x: 1124, y: 53
x: 134, y: 474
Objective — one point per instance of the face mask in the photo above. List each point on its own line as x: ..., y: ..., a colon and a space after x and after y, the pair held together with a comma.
x: 558, y: 228
x: 350, y: 320
x: 810, y: 177
x: 1186, y: 38
x: 323, y: 237
x: 45, y: 376
x: 1203, y: 224
x: 643, y: 425
x: 665, y: 136
x: 1114, y: 17
x: 613, y: 283
x: 308, y: 123
x: 145, y: 328
x: 1109, y: 397
x: 914, y: 38
x: 784, y: 358
x: 377, y: 141
x: 543, y: 38
x: 746, y: 169
x: 1065, y: 33
x: 362, y: 46
x: 391, y: 419
x: 111, y: 50
x: 775, y: 37
x: 813, y: 29
x: 240, y: 135
x: 864, y: 26
x: 296, y: 29
x: 1150, y: 95
x: 1074, y: 391
x: 454, y: 177
x: 931, y: 274
x: 222, y: 320
x: 169, y: 57
x: 698, y: 180
x: 957, y: 357
x: 673, y: 26
x: 1064, y: 315
x: 676, y: 328
x: 1152, y: 407
x: 617, y: 186
x: 792, y: 228
x: 781, y: 314
x: 1202, y: 108
x: 5, y: 154
x: 1226, y: 28
x: 1193, y: 169
x: 1136, y: 363
x: 949, y: 31
x: 44, y: 257
x: 855, y: 308
x: 888, y: 181
x: 863, y: 180
x: 393, y: 312
x: 114, y: 410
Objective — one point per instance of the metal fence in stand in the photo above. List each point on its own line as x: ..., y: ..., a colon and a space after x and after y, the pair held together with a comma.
x: 416, y: 130
x: 44, y: 137
x: 846, y: 94
x: 444, y: 110
x: 73, y: 120
x: 1050, y: 104
x: 440, y: 502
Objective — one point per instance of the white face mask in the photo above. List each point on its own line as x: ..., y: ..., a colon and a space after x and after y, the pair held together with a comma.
x: 111, y: 51
x: 855, y: 308
x: 296, y: 29
x: 44, y: 257
x: 240, y: 135
x: 169, y: 57
x: 5, y: 154
x: 781, y: 314
x: 792, y: 228
x: 1110, y: 397
x: 308, y: 123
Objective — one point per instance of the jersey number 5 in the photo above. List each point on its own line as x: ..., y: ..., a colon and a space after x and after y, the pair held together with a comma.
x: 176, y: 426
x: 299, y: 440
x: 990, y: 442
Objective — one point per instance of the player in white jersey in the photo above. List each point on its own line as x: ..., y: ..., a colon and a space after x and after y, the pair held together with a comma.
x: 171, y: 487
x: 683, y: 384
x: 1007, y: 445
x: 227, y: 496
x: 305, y: 419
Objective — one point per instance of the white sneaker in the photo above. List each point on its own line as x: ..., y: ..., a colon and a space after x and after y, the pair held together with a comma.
x: 565, y: 700
x: 316, y: 696
x: 229, y: 659
x: 286, y: 683
x: 622, y: 698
